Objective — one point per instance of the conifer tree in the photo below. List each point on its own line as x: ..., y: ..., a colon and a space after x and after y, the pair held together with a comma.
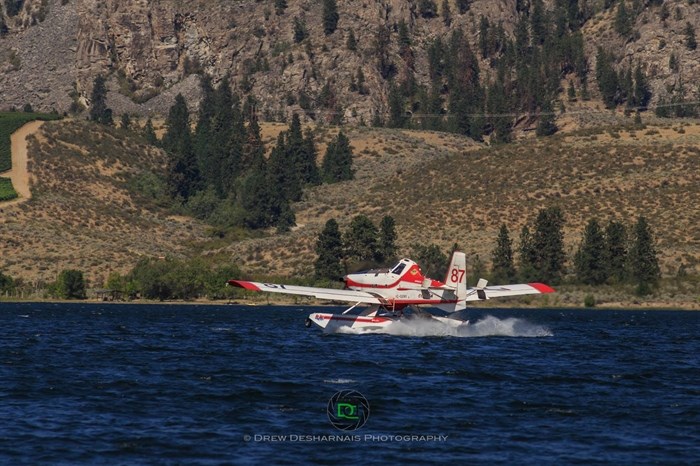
x: 528, y: 256
x: 503, y: 270
x: 282, y: 171
x: 592, y: 260
x: 623, y: 22
x: 330, y: 16
x: 329, y: 248
x: 546, y: 125
x: 387, y: 239
x: 616, y: 245
x: 361, y: 240
x: 337, y: 163
x: 99, y: 112
x: 645, y: 264
x: 149, y: 133
x: 446, y: 13
x: 183, y: 173
x: 280, y: 6
x: 690, y: 40
x: 642, y: 91
x: 351, y: 43
x: 548, y: 242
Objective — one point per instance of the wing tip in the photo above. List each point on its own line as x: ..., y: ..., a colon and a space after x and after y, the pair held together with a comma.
x: 243, y: 284
x: 542, y: 288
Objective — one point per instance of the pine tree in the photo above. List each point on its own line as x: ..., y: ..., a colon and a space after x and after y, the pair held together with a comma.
x: 446, y: 13
x: 592, y: 260
x: 528, y: 256
x: 329, y: 248
x: 387, y: 239
x: 645, y: 264
x: 280, y: 6
x: 616, y: 245
x: 309, y: 172
x: 300, y: 30
x: 642, y: 91
x: 330, y: 16
x: 548, y: 242
x: 282, y: 171
x: 623, y: 23
x: 149, y: 133
x: 351, y: 43
x: 99, y: 112
x: 125, y: 121
x: 463, y: 6
x: 337, y: 163
x: 547, y: 125
x: 361, y: 240
x: 690, y: 41
x: 183, y: 173
x: 503, y: 268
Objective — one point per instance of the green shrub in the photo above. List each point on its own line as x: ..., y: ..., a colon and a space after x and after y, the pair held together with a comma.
x: 7, y: 192
x: 589, y: 301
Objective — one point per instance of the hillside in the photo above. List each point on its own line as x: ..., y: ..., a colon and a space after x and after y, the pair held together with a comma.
x: 85, y: 212
x: 444, y: 189
x: 81, y: 214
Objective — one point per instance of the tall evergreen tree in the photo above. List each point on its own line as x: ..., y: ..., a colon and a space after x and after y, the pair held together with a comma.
x: 282, y: 171
x: 330, y: 16
x: 548, y: 241
x: 446, y: 13
x: 361, y: 240
x: 183, y: 173
x: 528, y: 256
x: 623, y: 22
x: 645, y: 264
x: 309, y: 172
x: 99, y: 112
x: 616, y: 244
x: 329, y: 248
x: 503, y: 270
x: 592, y: 260
x: 387, y: 239
x: 642, y: 90
x: 690, y: 41
x: 149, y: 133
x: 337, y: 163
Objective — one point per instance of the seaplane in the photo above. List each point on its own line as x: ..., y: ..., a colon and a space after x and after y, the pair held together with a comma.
x: 381, y: 297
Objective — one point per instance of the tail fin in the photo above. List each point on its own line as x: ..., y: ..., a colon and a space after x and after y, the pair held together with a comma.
x: 457, y: 278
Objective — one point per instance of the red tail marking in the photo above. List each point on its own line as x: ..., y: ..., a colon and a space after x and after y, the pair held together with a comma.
x: 243, y: 284
x: 542, y: 288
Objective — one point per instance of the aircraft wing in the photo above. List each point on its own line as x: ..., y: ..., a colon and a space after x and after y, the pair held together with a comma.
x: 351, y: 296
x: 488, y: 292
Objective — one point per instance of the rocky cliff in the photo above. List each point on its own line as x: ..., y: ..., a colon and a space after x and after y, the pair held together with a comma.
x: 51, y: 50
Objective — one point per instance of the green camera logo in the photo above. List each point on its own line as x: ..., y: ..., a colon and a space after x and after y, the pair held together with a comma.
x: 348, y: 410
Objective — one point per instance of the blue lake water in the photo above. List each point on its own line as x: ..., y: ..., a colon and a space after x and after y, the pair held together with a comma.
x: 123, y: 384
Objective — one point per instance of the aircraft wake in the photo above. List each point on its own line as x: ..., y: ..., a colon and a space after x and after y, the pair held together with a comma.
x: 489, y: 326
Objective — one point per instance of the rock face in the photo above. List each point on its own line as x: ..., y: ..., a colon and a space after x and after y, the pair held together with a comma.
x: 152, y: 49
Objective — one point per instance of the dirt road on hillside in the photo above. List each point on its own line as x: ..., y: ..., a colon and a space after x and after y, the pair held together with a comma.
x: 19, y: 174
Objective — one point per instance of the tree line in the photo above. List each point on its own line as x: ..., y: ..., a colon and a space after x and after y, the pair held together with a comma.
x: 615, y: 254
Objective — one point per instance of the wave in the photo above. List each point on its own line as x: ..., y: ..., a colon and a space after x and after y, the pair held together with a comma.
x: 489, y: 326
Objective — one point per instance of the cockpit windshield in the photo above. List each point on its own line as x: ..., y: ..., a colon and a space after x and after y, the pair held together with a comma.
x: 398, y: 268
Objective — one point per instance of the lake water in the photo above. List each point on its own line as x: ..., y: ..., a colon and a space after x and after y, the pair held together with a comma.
x: 125, y: 384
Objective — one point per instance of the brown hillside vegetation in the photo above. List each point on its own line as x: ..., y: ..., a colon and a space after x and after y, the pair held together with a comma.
x: 444, y: 189
x: 81, y: 215
x: 440, y: 188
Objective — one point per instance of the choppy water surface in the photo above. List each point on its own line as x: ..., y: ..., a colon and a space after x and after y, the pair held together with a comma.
x: 124, y: 384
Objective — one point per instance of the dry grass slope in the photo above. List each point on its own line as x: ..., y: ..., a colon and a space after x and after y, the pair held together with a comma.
x: 81, y: 214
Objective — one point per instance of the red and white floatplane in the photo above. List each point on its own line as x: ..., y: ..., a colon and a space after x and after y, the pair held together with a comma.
x: 384, y: 296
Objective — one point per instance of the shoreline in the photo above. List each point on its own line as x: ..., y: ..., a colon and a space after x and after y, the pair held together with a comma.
x: 612, y: 306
